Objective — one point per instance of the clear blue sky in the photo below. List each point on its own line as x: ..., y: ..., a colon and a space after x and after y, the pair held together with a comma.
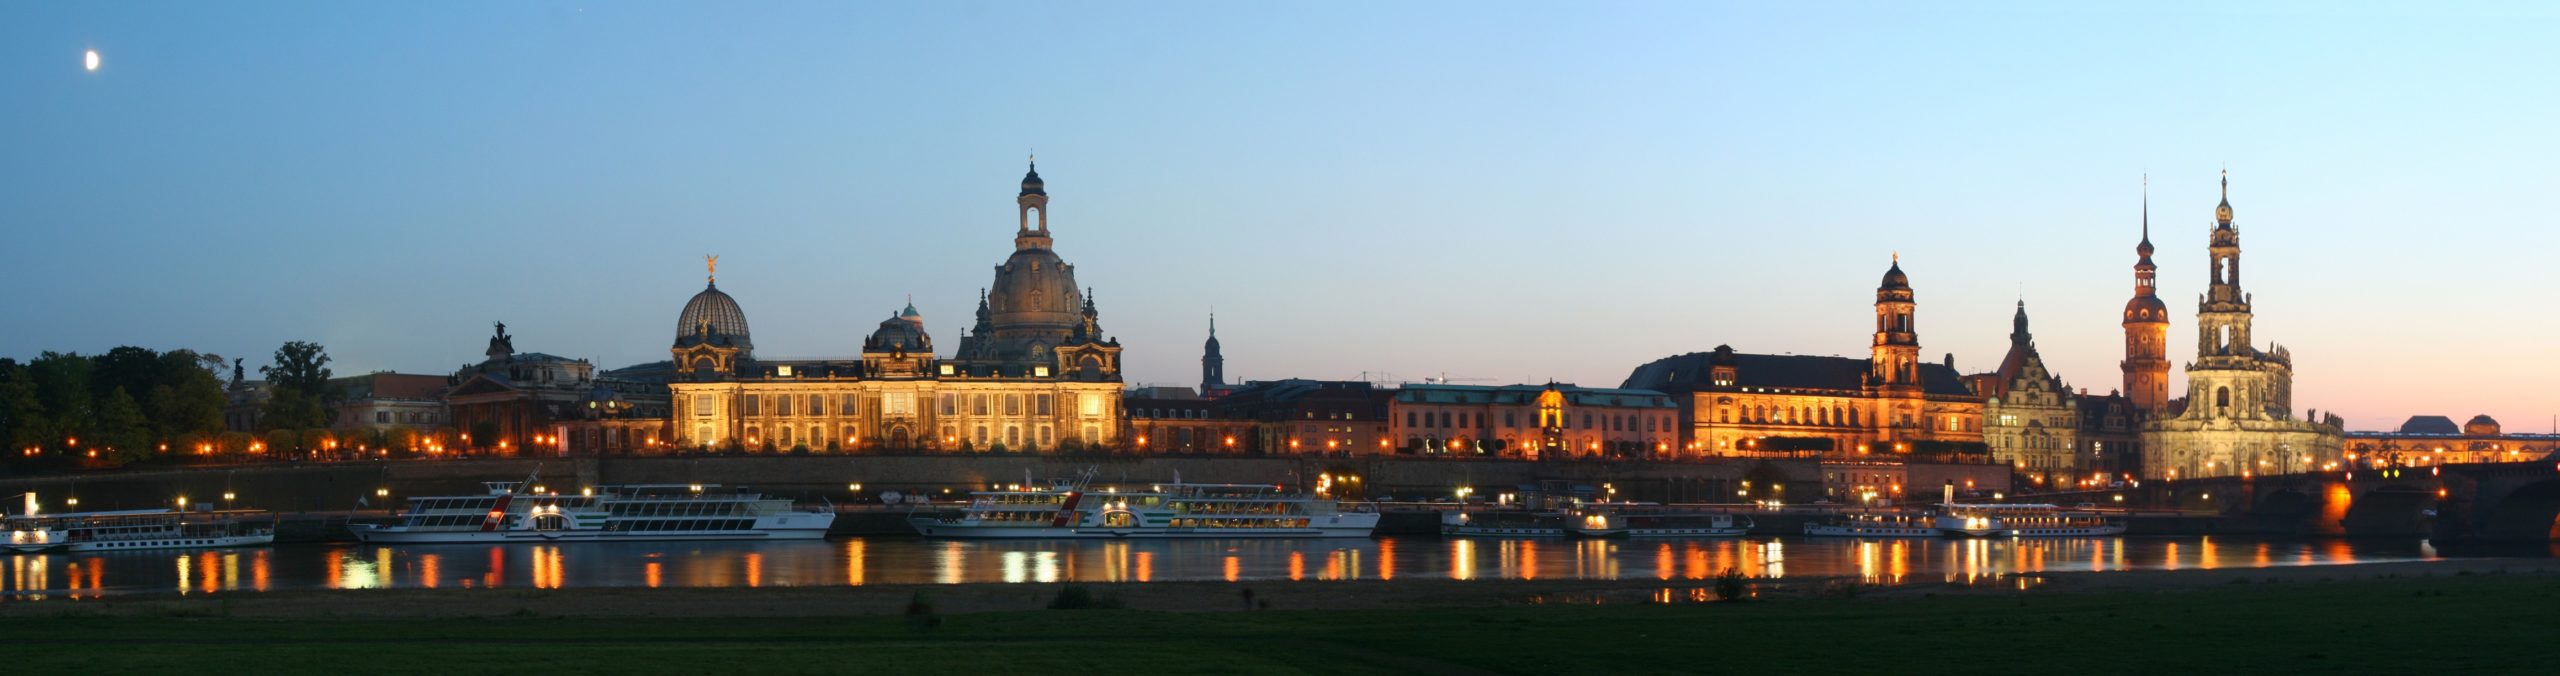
x: 1500, y: 191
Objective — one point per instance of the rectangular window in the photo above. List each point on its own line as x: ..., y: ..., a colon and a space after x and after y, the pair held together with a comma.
x: 978, y: 404
x: 1044, y: 411
x: 751, y: 406
x: 852, y: 405
x: 900, y: 404
x: 1045, y: 433
x: 382, y: 416
x: 704, y: 406
x: 1408, y: 419
x: 1091, y: 407
x: 1013, y: 404
x: 950, y: 404
x: 782, y: 404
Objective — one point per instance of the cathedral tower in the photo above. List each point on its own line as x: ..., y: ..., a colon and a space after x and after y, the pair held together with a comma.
x: 1213, y: 367
x: 2222, y: 316
x: 1895, y: 359
x: 2146, y: 328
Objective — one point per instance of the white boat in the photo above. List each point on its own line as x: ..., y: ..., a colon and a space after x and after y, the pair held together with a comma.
x: 2031, y: 521
x: 1071, y: 509
x: 1638, y: 520
x: 1509, y: 523
x: 136, y: 530
x: 520, y: 512
x: 1876, y: 526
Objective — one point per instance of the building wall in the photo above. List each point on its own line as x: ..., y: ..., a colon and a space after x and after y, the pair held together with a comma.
x: 848, y: 414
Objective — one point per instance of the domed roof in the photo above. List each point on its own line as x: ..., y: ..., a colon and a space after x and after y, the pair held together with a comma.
x: 903, y: 331
x: 2481, y: 425
x: 2146, y: 308
x: 1034, y: 289
x: 717, y: 309
x: 1893, y: 277
x: 1031, y: 184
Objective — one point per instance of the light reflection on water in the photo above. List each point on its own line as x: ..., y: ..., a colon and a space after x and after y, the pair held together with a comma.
x: 912, y: 561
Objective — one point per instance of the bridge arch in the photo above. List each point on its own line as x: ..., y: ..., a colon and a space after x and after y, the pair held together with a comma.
x: 2529, y: 513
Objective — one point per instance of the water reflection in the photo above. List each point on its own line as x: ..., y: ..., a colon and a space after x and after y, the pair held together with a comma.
x: 911, y: 561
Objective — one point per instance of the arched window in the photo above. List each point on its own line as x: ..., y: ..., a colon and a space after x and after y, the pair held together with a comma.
x: 2222, y: 397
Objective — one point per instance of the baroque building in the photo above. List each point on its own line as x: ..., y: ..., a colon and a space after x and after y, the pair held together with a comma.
x: 1891, y: 403
x: 2237, y: 417
x: 2430, y: 440
x: 1533, y: 422
x: 1033, y: 372
x: 2030, y: 419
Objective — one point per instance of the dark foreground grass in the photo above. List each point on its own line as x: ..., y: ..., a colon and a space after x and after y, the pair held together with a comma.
x: 2490, y: 623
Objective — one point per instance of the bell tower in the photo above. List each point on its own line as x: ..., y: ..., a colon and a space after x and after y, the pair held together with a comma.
x: 2146, y: 327
x: 1895, y: 359
x: 1213, y: 366
x: 1034, y: 233
x: 2222, y: 317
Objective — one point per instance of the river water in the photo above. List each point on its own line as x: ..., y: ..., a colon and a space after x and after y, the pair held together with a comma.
x: 860, y: 561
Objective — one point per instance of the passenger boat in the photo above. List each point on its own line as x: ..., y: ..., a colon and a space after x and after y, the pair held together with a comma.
x: 521, y: 512
x: 2002, y: 520
x: 1070, y: 509
x: 138, y: 529
x: 1876, y: 526
x: 1509, y: 523
x: 1655, y: 521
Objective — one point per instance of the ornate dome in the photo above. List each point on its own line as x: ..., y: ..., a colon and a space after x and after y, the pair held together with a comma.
x: 2146, y: 309
x: 902, y: 332
x: 1893, y: 277
x: 716, y: 309
x: 1031, y: 184
x: 1035, y: 290
x: 2481, y: 425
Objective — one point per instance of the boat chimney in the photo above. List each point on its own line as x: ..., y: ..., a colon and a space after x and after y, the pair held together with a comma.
x: 31, y: 503
x: 1948, y: 493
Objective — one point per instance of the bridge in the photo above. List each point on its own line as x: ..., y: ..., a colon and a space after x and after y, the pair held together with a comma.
x: 2483, y: 502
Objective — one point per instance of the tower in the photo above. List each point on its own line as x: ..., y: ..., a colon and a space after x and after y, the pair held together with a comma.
x: 1034, y: 234
x: 1213, y: 367
x: 2146, y: 327
x: 1895, y: 359
x: 2222, y: 315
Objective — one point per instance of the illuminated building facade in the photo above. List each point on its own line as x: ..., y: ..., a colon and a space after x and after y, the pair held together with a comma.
x: 530, y: 403
x: 2030, y: 419
x: 2237, y: 417
x: 1314, y: 417
x: 1034, y: 373
x: 1732, y: 403
x: 1533, y: 421
x: 2429, y: 440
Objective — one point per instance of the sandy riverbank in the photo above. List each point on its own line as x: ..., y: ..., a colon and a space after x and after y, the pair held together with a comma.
x: 1175, y: 596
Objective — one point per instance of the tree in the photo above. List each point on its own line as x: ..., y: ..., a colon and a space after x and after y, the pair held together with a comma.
x: 124, y: 435
x: 303, y: 395
x: 19, y: 409
x: 300, y: 365
x: 189, y: 396
x: 62, y: 389
x: 281, y: 441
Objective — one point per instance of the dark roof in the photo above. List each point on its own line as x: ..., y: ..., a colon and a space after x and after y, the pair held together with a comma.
x: 1518, y: 395
x: 1688, y: 373
x: 2429, y: 424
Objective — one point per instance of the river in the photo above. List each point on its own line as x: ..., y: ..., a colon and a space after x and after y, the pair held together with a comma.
x: 860, y: 561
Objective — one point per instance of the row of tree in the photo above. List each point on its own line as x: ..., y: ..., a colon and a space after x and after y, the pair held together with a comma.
x: 131, y: 403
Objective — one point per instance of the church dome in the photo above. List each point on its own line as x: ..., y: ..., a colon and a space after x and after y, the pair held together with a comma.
x: 2481, y: 426
x: 2146, y: 308
x: 1894, y: 280
x: 903, y: 331
x: 716, y: 309
x: 1031, y: 184
x: 1034, y: 289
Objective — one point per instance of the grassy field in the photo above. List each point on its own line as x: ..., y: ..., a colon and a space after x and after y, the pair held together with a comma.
x: 2468, y: 623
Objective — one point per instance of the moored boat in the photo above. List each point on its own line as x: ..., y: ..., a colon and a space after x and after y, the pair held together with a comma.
x: 1072, y: 509
x: 1652, y: 521
x: 138, y: 529
x: 2023, y: 520
x: 1876, y: 526
x: 521, y: 512
x: 1507, y: 523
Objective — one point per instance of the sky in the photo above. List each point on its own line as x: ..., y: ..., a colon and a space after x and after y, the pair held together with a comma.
x: 1491, y: 192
